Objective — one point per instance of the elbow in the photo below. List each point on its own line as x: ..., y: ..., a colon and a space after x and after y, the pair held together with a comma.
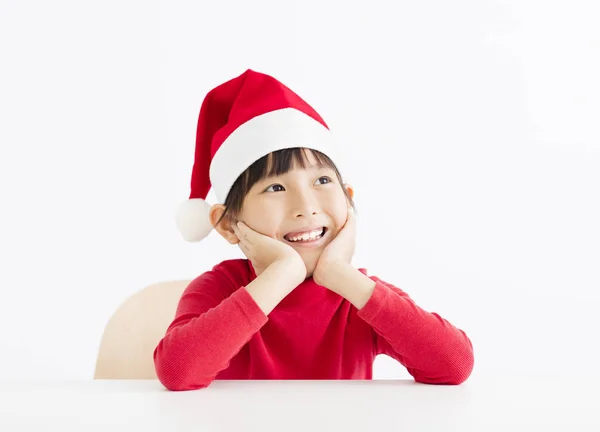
x: 181, y: 385
x: 460, y: 367
x: 174, y: 379
x: 175, y: 375
x: 458, y: 376
x: 453, y: 370
x: 459, y: 364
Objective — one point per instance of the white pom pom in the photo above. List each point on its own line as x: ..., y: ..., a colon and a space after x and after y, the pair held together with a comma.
x: 193, y: 219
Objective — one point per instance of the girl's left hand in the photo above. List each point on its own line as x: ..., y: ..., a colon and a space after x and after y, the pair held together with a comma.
x: 338, y: 252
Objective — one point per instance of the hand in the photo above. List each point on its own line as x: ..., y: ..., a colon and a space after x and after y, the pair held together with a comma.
x: 262, y: 251
x: 337, y: 253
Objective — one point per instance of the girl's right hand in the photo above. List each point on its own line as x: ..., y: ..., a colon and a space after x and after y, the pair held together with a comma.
x: 262, y: 251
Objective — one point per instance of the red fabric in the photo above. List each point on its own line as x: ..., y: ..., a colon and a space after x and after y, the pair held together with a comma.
x: 219, y: 332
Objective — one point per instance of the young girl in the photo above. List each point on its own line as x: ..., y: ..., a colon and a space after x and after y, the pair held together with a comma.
x: 296, y: 308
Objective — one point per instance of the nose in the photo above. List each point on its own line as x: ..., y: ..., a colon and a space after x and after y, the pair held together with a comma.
x: 305, y: 204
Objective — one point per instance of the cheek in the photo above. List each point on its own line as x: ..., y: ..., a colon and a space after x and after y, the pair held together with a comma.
x: 340, y: 219
x: 338, y: 210
x: 262, y: 221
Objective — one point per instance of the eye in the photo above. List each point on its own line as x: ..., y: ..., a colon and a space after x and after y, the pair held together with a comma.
x: 275, y: 188
x: 323, y: 180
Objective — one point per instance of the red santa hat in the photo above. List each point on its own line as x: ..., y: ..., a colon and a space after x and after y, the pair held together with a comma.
x: 241, y: 121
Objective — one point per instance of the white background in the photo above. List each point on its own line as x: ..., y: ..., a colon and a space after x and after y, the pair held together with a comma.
x: 470, y: 128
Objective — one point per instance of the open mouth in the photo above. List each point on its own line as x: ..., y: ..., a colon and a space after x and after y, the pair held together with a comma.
x: 306, y: 236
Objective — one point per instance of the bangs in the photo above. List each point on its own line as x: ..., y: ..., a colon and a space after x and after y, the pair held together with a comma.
x: 282, y: 162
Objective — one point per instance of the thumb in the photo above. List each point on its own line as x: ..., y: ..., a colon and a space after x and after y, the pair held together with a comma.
x: 350, y: 225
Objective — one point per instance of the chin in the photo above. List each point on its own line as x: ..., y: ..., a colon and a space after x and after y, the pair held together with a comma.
x: 310, y: 264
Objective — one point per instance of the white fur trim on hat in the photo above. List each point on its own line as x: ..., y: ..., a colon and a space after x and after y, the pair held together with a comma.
x: 193, y: 219
x: 275, y: 130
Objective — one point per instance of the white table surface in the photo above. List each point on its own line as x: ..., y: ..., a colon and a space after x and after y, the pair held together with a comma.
x: 545, y: 404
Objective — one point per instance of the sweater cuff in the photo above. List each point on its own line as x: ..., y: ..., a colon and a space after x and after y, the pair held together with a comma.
x: 255, y: 315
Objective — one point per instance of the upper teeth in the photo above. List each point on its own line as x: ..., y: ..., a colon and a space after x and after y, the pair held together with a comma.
x: 311, y: 235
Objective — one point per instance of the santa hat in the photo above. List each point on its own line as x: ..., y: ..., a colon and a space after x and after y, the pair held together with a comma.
x: 241, y: 121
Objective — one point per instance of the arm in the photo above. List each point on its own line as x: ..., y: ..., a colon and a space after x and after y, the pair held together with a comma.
x: 209, y: 330
x: 432, y: 349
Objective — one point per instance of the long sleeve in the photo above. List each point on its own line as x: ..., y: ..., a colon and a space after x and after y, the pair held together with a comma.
x: 432, y: 349
x: 209, y: 329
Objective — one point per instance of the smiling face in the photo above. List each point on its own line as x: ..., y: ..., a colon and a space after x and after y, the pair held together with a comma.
x: 299, y: 199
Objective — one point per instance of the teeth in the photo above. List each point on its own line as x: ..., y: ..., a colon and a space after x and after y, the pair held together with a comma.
x: 313, y: 235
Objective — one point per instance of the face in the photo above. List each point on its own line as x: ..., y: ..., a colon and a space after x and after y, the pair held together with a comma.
x: 305, y: 208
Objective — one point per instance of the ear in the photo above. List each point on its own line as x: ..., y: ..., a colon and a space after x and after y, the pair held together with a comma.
x: 225, y: 226
x: 350, y: 190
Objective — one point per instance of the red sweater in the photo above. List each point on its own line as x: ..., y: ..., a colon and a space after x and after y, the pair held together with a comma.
x: 219, y: 332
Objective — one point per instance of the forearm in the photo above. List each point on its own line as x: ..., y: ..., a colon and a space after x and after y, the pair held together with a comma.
x: 349, y: 283
x: 431, y: 348
x: 273, y: 285
x: 191, y: 354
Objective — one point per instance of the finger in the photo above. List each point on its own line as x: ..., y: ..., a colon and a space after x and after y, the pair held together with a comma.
x: 244, y: 248
x: 241, y: 238
x: 352, y: 217
x: 237, y: 231
x: 352, y: 221
x: 246, y: 232
x: 350, y: 225
x: 243, y: 243
x: 349, y: 219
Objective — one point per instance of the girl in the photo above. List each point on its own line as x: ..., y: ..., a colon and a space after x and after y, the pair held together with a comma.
x: 295, y: 308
